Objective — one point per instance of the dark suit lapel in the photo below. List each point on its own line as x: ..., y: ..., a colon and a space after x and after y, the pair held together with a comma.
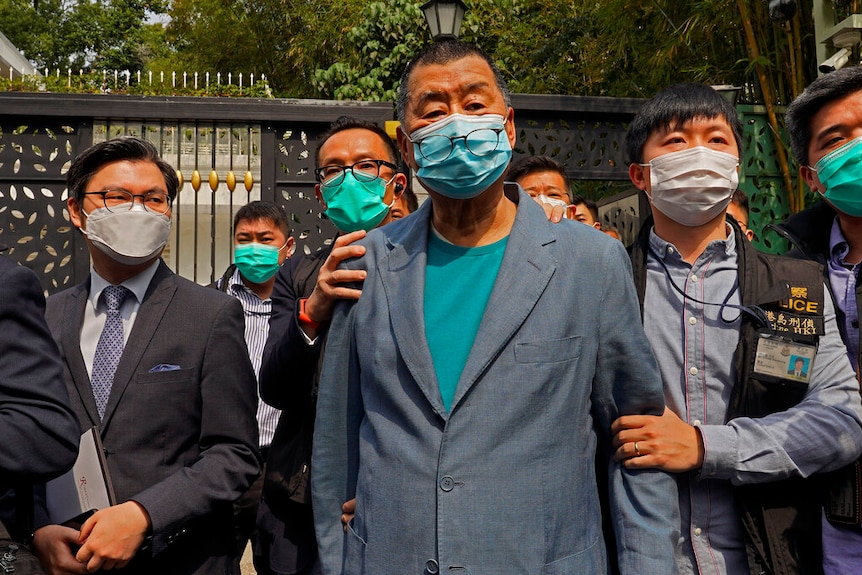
x: 153, y: 308
x: 73, y: 319
x: 403, y: 279
x: 525, y: 271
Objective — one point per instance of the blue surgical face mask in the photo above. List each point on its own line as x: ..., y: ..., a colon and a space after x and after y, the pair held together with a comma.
x: 840, y: 172
x: 256, y: 262
x: 460, y: 156
x: 355, y: 204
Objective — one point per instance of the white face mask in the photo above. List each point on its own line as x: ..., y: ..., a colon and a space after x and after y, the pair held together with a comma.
x: 131, y: 237
x: 543, y: 199
x: 693, y: 186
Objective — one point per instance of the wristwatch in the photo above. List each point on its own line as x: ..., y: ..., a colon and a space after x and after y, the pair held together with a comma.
x: 303, y: 317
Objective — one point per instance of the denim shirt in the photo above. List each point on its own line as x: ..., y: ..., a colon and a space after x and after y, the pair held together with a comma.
x: 694, y: 346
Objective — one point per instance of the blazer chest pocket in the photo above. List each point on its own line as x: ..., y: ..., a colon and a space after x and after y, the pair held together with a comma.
x: 166, y: 377
x: 548, y: 351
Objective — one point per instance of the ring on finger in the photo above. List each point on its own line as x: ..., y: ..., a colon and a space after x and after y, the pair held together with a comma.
x: 637, y: 451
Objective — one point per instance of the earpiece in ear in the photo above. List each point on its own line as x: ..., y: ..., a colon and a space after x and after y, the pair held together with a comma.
x: 399, y: 188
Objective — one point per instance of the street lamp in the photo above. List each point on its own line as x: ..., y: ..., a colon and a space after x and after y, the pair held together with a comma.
x: 444, y: 18
x: 728, y: 92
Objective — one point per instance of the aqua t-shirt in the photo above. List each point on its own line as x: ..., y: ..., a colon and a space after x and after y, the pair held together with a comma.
x: 458, y: 284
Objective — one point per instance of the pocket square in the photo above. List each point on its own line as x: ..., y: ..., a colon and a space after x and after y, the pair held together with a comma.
x: 164, y: 367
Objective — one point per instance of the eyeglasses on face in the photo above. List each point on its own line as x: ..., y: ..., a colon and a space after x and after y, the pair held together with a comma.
x: 364, y: 171
x: 438, y: 147
x: 123, y: 200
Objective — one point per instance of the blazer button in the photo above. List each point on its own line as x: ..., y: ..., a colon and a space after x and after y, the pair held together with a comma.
x: 432, y: 567
x: 447, y: 483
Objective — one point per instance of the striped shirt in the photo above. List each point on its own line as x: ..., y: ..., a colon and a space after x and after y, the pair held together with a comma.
x: 257, y: 312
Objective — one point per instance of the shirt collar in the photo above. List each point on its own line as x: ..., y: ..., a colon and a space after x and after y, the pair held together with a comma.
x: 137, y: 285
x: 668, y: 252
x: 838, y: 246
x: 236, y: 286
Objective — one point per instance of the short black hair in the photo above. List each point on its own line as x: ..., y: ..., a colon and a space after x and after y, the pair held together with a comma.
x: 350, y: 123
x: 823, y: 90
x: 532, y: 164
x: 124, y: 148
x: 740, y: 199
x: 262, y: 210
x: 444, y: 53
x: 674, y: 106
x: 591, y: 205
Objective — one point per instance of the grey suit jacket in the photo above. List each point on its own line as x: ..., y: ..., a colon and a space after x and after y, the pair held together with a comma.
x: 182, y: 443
x: 505, y: 481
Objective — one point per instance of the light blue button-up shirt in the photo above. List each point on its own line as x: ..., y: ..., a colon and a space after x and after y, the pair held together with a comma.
x: 694, y: 345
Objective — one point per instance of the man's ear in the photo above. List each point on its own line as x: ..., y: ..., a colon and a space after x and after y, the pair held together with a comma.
x: 637, y: 174
x: 406, y: 148
x: 319, y: 196
x: 810, y: 178
x: 75, y: 213
x: 510, y: 128
x: 400, y: 184
x: 290, y: 247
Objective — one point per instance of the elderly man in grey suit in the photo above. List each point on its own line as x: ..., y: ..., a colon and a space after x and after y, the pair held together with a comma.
x: 159, y: 364
x: 464, y: 394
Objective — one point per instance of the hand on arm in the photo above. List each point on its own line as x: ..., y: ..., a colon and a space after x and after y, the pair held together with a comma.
x: 347, y: 512
x: 111, y: 537
x: 554, y: 212
x: 663, y: 442
x: 329, y: 287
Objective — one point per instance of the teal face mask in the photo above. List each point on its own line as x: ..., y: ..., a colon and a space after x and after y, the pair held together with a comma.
x: 840, y: 172
x: 354, y: 204
x: 256, y: 262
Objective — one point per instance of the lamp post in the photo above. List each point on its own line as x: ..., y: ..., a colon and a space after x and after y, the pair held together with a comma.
x: 444, y: 18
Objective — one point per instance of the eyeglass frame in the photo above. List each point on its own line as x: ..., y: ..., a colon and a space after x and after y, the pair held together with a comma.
x: 452, y: 143
x: 342, y: 170
x: 104, y: 194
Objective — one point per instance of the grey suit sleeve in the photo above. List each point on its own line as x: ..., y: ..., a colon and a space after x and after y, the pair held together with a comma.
x: 644, y: 504
x: 228, y: 460
x: 39, y: 430
x: 335, y: 457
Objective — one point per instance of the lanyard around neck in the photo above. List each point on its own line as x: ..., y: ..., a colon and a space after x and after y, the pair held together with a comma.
x: 754, y: 311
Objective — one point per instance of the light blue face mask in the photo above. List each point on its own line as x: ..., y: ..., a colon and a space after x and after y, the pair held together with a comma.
x: 460, y: 156
x: 840, y: 172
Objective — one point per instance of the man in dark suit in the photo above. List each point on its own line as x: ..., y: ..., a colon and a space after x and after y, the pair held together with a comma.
x: 39, y: 431
x: 160, y: 366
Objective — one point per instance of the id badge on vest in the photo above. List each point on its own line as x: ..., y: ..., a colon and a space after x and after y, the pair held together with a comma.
x: 787, y: 348
x: 779, y: 357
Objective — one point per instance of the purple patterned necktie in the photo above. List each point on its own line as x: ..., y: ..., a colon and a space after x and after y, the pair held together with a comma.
x: 109, y: 349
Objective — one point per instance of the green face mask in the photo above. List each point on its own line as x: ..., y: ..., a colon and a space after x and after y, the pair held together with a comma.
x: 840, y: 171
x: 354, y: 204
x: 256, y: 262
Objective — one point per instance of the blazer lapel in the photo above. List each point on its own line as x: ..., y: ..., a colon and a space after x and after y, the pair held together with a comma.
x: 73, y: 319
x: 153, y: 308
x: 525, y: 271
x: 403, y: 279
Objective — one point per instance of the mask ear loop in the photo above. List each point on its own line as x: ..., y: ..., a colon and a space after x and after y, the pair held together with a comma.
x: 756, y: 312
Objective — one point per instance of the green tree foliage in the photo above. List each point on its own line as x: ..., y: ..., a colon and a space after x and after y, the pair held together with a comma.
x: 282, y: 39
x: 375, y: 53
x: 105, y: 34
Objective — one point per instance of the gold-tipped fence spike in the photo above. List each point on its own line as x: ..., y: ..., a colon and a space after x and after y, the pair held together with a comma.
x: 196, y: 180
x: 248, y: 180
x: 213, y: 180
x: 180, y: 178
x: 230, y: 180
